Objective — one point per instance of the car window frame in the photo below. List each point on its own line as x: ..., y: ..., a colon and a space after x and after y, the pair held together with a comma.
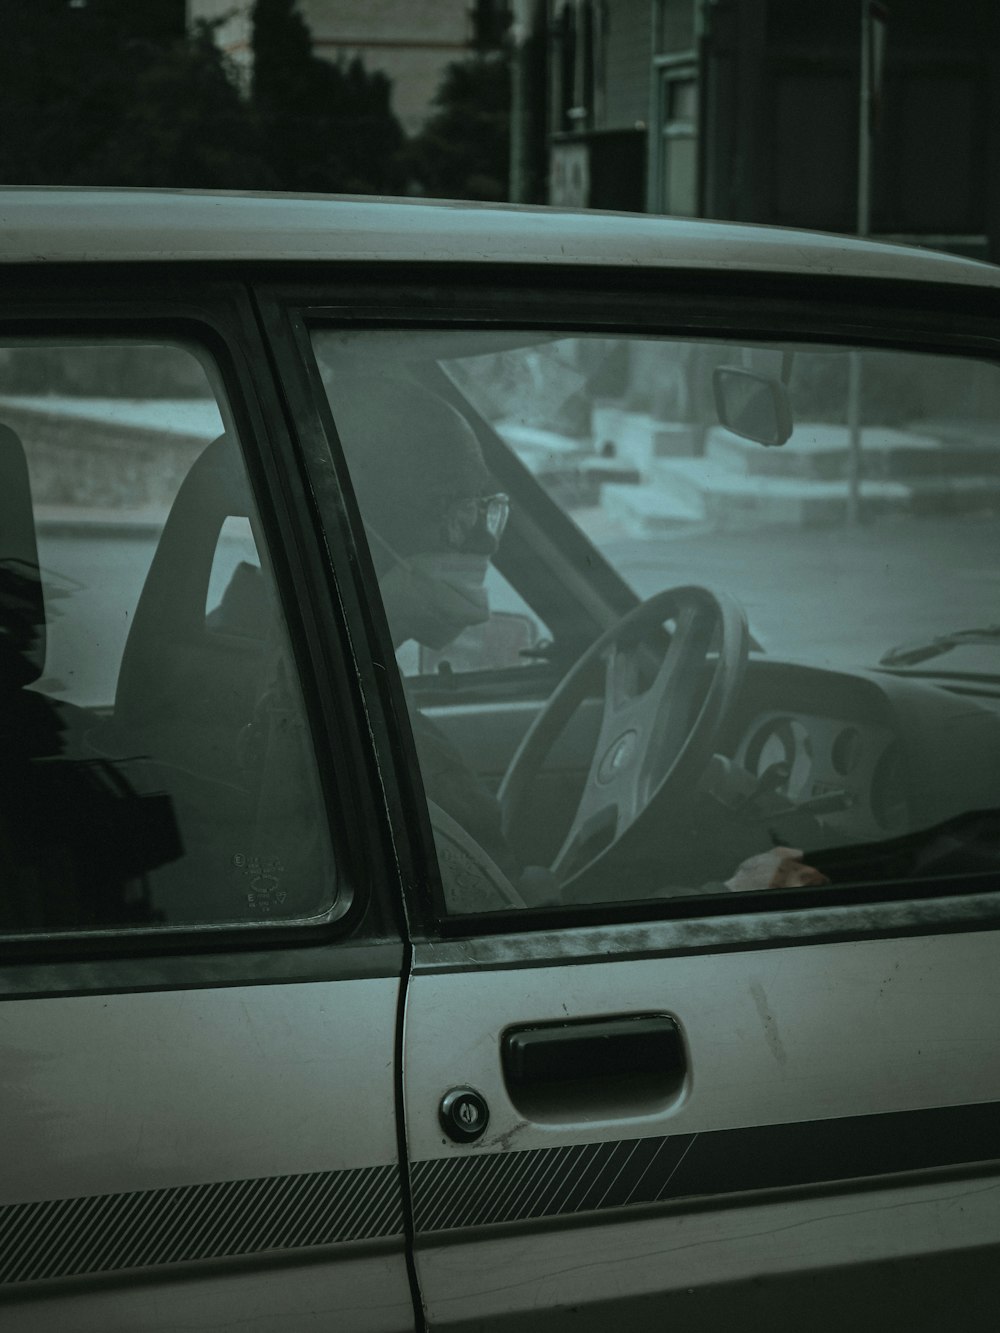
x: 214, y: 311
x: 927, y: 317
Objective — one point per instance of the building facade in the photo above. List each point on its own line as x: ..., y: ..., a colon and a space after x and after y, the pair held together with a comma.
x: 751, y: 110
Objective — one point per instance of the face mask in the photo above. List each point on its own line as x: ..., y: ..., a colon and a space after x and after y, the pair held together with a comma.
x: 432, y: 597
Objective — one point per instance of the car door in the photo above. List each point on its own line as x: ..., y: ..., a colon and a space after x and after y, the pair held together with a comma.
x: 202, y: 956
x: 711, y: 1180
x: 746, y: 1075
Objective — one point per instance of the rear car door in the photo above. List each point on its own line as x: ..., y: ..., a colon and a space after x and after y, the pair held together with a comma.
x: 738, y: 1067
x: 202, y: 956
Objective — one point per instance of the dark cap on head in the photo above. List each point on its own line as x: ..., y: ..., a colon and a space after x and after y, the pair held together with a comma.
x: 410, y: 454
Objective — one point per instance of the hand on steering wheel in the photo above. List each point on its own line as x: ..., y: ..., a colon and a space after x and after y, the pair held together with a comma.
x: 660, y: 724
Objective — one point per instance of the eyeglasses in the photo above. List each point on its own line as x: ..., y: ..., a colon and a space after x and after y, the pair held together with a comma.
x: 463, y: 517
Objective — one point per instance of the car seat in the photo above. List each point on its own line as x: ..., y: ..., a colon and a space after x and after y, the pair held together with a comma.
x: 206, y: 699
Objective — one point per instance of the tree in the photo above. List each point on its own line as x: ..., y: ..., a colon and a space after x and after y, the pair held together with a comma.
x: 110, y: 92
x: 40, y: 84
x: 184, y: 124
x: 113, y: 93
x: 463, y: 151
x: 322, y: 126
x: 282, y: 50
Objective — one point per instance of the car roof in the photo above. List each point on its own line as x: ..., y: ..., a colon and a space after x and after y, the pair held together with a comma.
x: 54, y: 225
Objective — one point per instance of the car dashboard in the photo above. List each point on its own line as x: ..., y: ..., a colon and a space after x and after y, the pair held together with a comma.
x: 866, y: 756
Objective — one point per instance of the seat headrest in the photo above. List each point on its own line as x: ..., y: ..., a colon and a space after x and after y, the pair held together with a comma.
x: 171, y: 606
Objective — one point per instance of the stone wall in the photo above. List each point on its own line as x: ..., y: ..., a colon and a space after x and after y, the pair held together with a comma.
x: 107, y: 455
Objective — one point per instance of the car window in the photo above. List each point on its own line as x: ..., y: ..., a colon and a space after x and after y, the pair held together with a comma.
x: 810, y: 698
x: 157, y: 767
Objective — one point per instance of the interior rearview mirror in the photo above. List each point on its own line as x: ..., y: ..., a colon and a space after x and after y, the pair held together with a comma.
x: 501, y: 642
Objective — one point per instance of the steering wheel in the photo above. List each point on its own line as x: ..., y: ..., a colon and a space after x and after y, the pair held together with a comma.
x: 660, y: 725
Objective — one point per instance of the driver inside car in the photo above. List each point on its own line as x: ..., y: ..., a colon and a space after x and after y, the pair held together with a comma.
x: 434, y: 519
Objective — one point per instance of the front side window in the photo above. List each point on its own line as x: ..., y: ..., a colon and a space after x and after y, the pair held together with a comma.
x: 157, y: 770
x: 806, y: 693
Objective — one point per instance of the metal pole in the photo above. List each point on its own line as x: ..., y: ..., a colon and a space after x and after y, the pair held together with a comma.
x: 864, y: 227
x: 853, y: 437
x: 526, y: 29
x: 865, y: 124
x: 516, y: 189
x: 854, y: 369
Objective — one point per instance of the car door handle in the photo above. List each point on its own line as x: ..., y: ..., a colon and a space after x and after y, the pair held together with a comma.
x: 632, y: 1048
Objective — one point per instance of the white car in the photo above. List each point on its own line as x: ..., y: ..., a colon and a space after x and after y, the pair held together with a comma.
x: 501, y: 771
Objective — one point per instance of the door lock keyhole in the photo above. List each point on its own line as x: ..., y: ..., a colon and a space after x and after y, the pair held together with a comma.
x: 464, y: 1114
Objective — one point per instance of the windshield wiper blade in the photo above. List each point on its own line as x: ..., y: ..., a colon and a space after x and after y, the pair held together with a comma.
x: 909, y: 654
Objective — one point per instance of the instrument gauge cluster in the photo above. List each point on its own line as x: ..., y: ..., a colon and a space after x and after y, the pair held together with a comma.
x: 851, y: 776
x: 782, y: 741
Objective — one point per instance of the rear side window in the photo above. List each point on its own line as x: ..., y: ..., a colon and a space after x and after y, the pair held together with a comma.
x: 157, y: 769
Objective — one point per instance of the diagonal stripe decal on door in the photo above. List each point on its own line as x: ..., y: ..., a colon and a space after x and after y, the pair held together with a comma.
x: 109, y: 1232
x: 542, y: 1182
x: 485, y: 1189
